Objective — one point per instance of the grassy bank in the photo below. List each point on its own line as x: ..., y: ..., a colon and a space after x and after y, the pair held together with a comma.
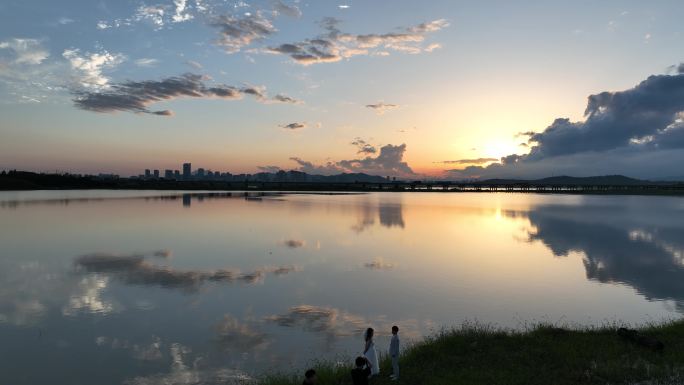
x: 541, y: 355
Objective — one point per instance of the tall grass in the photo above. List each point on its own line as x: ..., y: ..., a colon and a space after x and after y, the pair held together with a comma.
x: 538, y: 354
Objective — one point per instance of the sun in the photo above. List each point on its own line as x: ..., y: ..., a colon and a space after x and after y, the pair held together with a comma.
x: 498, y: 149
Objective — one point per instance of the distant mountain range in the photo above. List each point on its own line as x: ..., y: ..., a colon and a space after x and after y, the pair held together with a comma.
x: 606, y: 180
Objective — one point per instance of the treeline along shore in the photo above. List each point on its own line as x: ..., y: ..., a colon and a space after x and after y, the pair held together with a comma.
x: 615, y: 184
x: 541, y: 354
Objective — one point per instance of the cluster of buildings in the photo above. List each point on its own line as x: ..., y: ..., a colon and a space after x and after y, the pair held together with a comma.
x: 186, y: 174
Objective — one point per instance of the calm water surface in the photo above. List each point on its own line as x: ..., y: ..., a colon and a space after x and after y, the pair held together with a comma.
x: 120, y: 287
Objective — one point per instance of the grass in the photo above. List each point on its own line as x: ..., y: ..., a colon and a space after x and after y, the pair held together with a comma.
x: 542, y: 354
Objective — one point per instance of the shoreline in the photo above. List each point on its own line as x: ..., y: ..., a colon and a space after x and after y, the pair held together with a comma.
x: 542, y: 354
x: 27, y: 181
x: 328, y: 190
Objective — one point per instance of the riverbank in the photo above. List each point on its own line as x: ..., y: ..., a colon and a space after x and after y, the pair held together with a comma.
x: 541, y: 355
x: 607, y: 185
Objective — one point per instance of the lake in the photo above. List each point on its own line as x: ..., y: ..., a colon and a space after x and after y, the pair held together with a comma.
x: 145, y: 287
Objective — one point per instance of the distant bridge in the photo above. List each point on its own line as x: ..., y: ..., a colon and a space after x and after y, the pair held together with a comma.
x: 665, y: 189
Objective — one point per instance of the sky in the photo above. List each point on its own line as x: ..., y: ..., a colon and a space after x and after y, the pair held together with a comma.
x: 437, y: 89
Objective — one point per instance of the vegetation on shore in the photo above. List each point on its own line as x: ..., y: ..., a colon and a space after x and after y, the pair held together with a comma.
x: 475, y: 354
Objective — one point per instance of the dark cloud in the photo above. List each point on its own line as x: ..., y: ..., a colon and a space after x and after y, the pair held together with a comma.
x: 364, y: 147
x: 470, y: 161
x: 638, y: 132
x: 137, y: 96
x: 381, y: 107
x: 279, y: 7
x: 390, y: 215
x: 238, y: 32
x: 388, y: 162
x: 334, y: 45
x: 294, y: 126
x: 286, y: 99
x: 135, y: 269
x: 640, y: 245
x: 294, y: 243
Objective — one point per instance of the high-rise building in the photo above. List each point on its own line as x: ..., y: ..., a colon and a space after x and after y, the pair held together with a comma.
x: 156, y: 174
x: 200, y: 173
x: 168, y: 174
x: 187, y: 171
x: 148, y: 174
x: 176, y: 174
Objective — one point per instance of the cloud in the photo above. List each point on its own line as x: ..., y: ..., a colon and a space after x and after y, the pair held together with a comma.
x: 294, y: 126
x: 279, y: 7
x: 146, y: 62
x: 181, y: 373
x: 89, y: 298
x: 320, y: 319
x: 333, y: 323
x: 639, y: 132
x: 629, y: 244
x: 153, y: 14
x: 194, y: 64
x: 137, y: 96
x: 235, y: 335
x: 379, y: 264
x: 24, y: 51
x: 181, y: 13
x: 364, y: 147
x: 294, y: 243
x: 65, y: 20
x: 136, y: 270
x: 159, y: 16
x: 88, y: 67
x: 280, y: 98
x: 381, y: 107
x: 388, y: 162
x: 470, y: 161
x: 238, y: 32
x: 334, y: 45
x: 271, y: 169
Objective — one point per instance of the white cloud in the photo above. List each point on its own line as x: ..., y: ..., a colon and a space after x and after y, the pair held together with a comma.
x: 65, y: 20
x: 154, y: 14
x: 181, y: 13
x: 146, y: 62
x: 25, y: 51
x: 88, y: 67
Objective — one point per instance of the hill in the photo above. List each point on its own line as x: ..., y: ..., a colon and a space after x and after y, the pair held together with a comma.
x: 606, y: 180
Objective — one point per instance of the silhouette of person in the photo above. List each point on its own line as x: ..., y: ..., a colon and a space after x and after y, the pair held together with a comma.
x: 394, y: 352
x: 310, y: 377
x: 370, y: 353
x: 362, y: 372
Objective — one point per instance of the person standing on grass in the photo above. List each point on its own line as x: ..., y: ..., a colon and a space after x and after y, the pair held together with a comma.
x: 310, y: 377
x: 362, y: 372
x: 370, y: 353
x: 394, y: 352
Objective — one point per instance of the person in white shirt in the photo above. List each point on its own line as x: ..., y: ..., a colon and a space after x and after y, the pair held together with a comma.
x: 394, y: 352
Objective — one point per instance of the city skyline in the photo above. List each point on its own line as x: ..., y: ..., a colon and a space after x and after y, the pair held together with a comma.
x: 446, y: 89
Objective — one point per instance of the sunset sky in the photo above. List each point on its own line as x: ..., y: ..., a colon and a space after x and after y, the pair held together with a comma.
x: 438, y: 88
